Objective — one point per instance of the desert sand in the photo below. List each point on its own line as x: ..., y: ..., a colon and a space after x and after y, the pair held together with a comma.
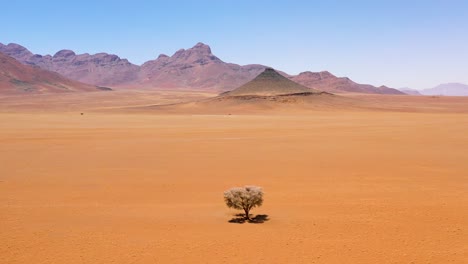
x: 342, y: 186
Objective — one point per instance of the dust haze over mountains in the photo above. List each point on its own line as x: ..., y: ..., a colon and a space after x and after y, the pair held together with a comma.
x: 449, y: 89
x: 446, y: 89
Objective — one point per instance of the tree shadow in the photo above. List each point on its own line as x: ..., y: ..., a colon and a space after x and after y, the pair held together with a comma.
x: 258, y: 219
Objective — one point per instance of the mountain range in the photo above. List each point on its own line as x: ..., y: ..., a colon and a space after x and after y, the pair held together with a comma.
x: 195, y: 68
x: 328, y: 82
x: 18, y: 78
x: 99, y: 69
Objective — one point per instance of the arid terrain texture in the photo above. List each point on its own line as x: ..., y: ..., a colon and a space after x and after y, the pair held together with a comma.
x: 383, y: 181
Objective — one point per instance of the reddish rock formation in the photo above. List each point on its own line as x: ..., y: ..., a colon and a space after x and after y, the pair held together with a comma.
x: 17, y: 78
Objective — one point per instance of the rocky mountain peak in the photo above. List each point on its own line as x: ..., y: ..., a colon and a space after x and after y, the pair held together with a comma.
x: 64, y: 54
x: 200, y: 54
x: 316, y: 75
x: 202, y: 48
x: 16, y: 51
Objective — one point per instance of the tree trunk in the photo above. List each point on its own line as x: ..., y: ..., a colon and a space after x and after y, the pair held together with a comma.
x: 246, y: 214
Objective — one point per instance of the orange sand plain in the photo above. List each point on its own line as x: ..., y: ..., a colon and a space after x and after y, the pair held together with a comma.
x: 341, y: 186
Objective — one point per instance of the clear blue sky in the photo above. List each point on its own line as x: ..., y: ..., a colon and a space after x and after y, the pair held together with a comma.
x: 411, y: 43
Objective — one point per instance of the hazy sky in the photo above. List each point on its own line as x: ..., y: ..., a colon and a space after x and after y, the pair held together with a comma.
x: 416, y: 44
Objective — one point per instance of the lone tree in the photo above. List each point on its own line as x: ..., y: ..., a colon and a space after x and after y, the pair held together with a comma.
x: 244, y: 198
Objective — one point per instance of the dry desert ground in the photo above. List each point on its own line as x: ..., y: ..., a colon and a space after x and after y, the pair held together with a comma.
x: 341, y: 186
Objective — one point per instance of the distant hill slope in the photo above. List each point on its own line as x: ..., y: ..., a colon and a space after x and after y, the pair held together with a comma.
x: 328, y: 82
x: 448, y: 89
x: 195, y: 68
x: 409, y: 91
x: 16, y: 78
x: 269, y: 83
